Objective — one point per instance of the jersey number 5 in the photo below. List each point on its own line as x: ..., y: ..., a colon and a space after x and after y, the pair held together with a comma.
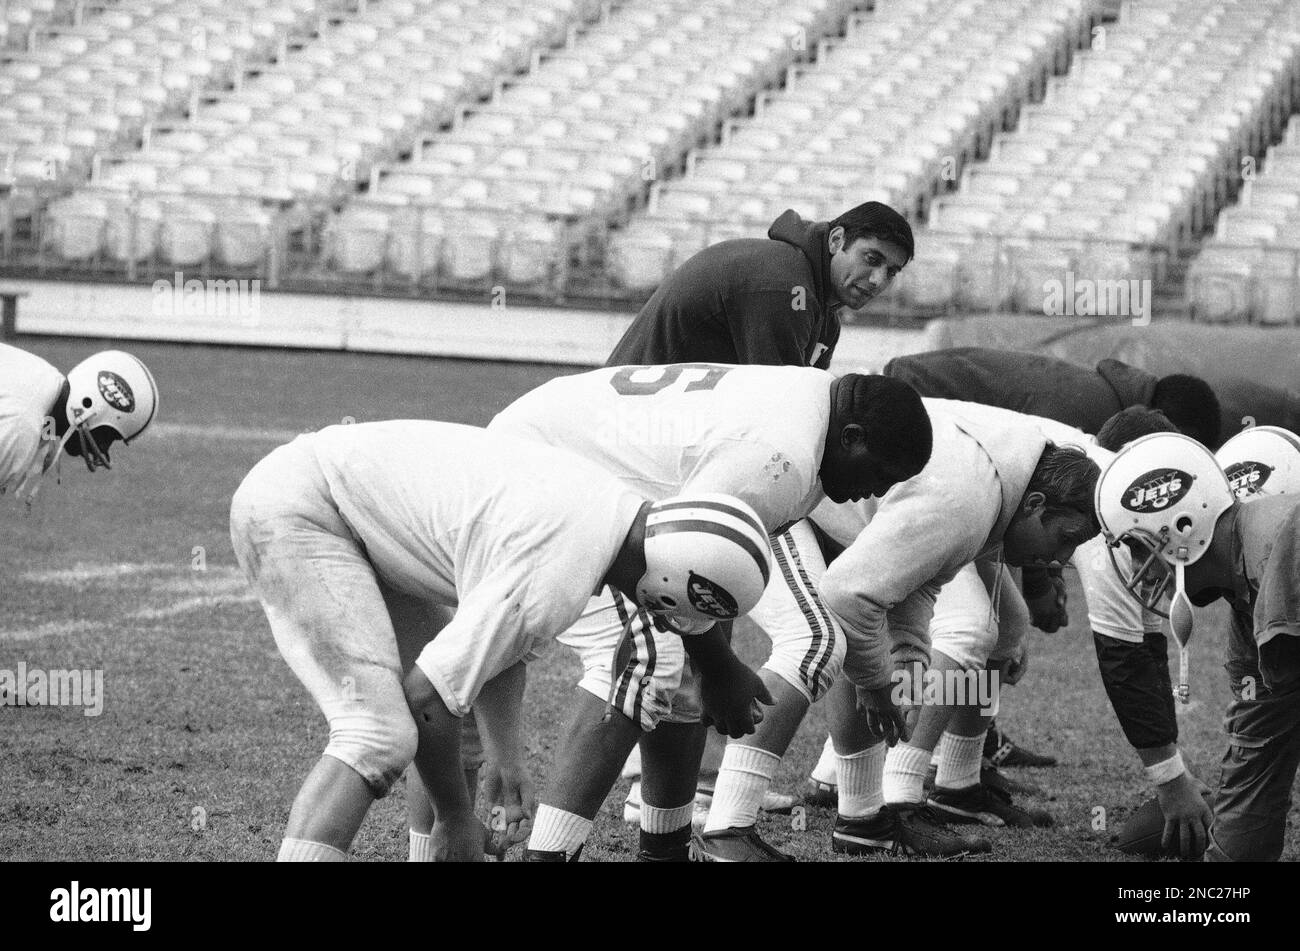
x: 625, y: 384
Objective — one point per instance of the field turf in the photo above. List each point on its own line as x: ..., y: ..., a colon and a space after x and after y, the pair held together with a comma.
x: 205, y: 735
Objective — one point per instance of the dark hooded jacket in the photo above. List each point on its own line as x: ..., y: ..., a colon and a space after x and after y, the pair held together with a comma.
x: 1027, y: 383
x: 748, y: 301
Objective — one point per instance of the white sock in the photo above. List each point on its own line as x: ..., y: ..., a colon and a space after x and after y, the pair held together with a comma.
x: 860, y: 776
x: 660, y: 820
x: 421, y: 848
x: 304, y: 850
x: 743, y: 778
x: 555, y: 830
x: 824, y: 771
x: 905, y: 769
x: 959, y: 761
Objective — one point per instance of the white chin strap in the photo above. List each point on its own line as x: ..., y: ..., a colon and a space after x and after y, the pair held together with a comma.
x: 1180, y: 622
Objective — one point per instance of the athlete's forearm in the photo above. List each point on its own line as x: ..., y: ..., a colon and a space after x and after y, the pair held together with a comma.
x: 499, y: 709
x: 437, y: 755
x: 710, y: 652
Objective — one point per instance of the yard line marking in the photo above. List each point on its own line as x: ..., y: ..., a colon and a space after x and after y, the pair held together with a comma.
x: 226, y: 433
x: 160, y: 591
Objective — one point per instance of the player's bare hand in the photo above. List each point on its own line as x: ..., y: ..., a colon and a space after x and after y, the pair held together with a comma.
x: 1015, y: 666
x: 1187, y: 816
x: 733, y: 701
x: 512, y: 799
x: 459, y: 839
x: 884, y: 717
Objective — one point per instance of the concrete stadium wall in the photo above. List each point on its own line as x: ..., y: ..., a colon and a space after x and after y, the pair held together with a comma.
x: 230, y: 313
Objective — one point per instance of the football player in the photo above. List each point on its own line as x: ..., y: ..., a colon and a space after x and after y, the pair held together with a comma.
x: 104, y: 398
x: 994, y: 479
x: 781, y: 438
x: 1079, y: 396
x: 342, y: 530
x: 980, y: 623
x: 1166, y: 499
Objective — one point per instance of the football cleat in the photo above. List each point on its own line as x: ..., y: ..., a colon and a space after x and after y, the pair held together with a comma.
x: 736, y: 845
x: 903, y: 829
x: 1001, y: 751
x: 818, y: 793
x: 987, y: 806
x: 537, y: 855
x: 990, y: 775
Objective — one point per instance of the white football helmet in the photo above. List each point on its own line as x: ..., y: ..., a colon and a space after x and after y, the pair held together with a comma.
x: 1160, y: 496
x: 707, y: 559
x: 112, y: 389
x: 1262, y: 460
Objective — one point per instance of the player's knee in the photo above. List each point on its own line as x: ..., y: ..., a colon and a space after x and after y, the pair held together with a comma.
x: 809, y: 665
x: 379, y: 747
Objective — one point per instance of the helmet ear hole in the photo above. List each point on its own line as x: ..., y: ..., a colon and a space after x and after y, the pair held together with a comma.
x: 1183, y: 524
x: 86, y: 402
x: 669, y: 600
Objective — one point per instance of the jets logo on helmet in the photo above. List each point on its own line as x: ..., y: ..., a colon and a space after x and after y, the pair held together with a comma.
x: 1247, y: 478
x: 1263, y: 460
x: 709, y: 598
x: 707, y: 559
x: 1156, y: 489
x: 116, y: 391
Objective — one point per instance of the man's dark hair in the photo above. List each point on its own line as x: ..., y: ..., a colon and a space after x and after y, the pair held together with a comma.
x: 1130, y: 424
x: 1067, y: 479
x: 1191, y: 405
x: 872, y: 219
x: 892, y: 415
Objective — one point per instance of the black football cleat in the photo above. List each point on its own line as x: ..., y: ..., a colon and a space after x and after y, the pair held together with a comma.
x: 987, y: 806
x: 736, y: 845
x: 1000, y: 750
x: 904, y: 829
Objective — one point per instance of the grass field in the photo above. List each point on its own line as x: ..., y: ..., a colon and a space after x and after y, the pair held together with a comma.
x: 205, y: 736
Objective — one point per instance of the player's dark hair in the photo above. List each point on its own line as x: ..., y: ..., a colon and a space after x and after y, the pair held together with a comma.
x: 872, y: 219
x: 1191, y: 405
x: 1067, y: 479
x: 1130, y: 424
x: 891, y: 414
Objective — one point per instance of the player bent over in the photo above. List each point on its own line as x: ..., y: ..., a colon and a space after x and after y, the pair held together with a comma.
x: 342, y: 530
x: 104, y: 398
x: 782, y: 439
x: 1166, y: 499
x: 994, y: 479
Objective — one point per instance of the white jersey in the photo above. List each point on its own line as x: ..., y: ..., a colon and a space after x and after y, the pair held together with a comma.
x: 29, y: 387
x: 517, y: 535
x: 755, y: 432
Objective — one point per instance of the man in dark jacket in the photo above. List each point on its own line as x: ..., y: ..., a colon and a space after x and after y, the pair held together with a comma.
x: 1046, y: 386
x: 773, y: 300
